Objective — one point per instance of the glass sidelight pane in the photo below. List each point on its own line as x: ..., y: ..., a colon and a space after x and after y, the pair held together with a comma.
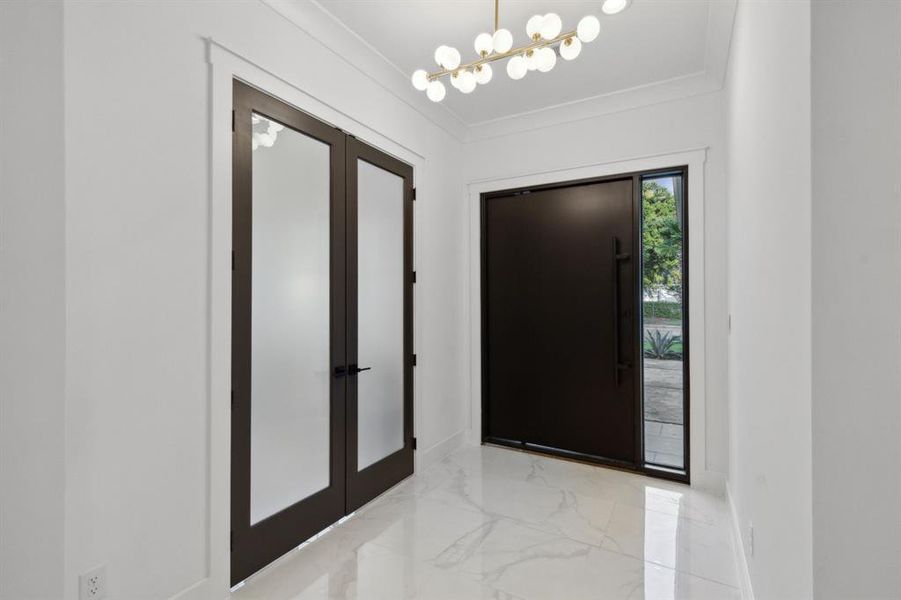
x: 290, y: 377
x: 662, y: 230
x: 380, y: 281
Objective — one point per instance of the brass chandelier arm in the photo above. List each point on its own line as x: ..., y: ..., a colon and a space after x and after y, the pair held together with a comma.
x: 502, y: 55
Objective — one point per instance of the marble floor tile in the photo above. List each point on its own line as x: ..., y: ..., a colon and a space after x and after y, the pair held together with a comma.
x: 671, y: 541
x: 493, y: 523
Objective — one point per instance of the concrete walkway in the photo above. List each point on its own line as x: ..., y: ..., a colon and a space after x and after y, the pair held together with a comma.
x: 663, y: 412
x: 663, y: 391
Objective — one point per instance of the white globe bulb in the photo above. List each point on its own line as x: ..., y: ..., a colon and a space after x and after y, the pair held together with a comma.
x: 451, y: 59
x: 466, y: 82
x: 532, y: 60
x: 436, y: 91
x: 483, y: 74
x: 516, y: 67
x: 570, y: 48
x: 588, y: 29
x: 440, y: 54
x: 551, y: 26
x: 611, y: 7
x: 484, y: 44
x: 533, y: 25
x: 420, y: 79
x: 503, y: 40
x: 547, y: 58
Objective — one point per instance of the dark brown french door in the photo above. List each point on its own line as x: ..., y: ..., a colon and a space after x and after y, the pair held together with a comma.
x: 559, y: 290
x: 379, y: 309
x: 322, y: 386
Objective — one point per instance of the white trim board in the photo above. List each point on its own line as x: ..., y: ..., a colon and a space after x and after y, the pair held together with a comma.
x: 695, y: 159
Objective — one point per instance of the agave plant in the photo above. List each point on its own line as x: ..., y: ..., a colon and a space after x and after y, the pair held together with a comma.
x: 661, y: 344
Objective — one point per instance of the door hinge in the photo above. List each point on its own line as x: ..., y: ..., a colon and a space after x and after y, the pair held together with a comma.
x: 233, y: 120
x: 414, y: 360
x: 414, y: 193
x: 233, y: 260
x: 414, y: 277
x: 414, y: 443
x: 233, y: 399
x: 231, y: 540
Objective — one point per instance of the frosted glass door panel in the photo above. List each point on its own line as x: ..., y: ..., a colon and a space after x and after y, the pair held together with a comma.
x: 290, y: 380
x: 380, y: 297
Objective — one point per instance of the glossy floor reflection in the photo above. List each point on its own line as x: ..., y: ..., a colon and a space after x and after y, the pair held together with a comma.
x: 496, y: 523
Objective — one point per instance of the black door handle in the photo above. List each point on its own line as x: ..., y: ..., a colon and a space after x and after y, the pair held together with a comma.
x: 618, y: 365
x: 354, y: 369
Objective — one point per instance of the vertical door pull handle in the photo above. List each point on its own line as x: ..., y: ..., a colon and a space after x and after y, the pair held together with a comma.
x: 618, y: 257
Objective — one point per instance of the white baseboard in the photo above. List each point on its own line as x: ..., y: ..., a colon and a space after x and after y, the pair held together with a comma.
x: 199, y: 590
x: 439, y: 451
x: 741, y: 561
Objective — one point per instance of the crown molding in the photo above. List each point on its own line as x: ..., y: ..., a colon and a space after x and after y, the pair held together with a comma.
x: 587, y: 108
x: 720, y: 19
x: 320, y: 24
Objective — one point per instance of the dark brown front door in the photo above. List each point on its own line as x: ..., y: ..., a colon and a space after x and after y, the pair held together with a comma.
x: 322, y: 386
x: 558, y: 330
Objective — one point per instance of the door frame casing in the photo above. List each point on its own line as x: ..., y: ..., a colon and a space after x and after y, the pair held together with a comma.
x: 695, y: 161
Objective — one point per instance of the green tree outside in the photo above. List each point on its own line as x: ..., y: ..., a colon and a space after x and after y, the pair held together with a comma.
x: 662, y: 243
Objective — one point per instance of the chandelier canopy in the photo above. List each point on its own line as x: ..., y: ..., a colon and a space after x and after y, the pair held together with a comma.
x: 547, y: 41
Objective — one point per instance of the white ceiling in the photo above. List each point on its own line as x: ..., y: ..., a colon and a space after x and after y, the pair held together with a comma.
x: 651, y: 42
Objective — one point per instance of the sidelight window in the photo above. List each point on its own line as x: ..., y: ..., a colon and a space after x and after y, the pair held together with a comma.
x: 664, y: 339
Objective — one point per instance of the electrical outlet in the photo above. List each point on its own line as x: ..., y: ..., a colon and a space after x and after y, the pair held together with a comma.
x: 750, y: 539
x: 92, y: 584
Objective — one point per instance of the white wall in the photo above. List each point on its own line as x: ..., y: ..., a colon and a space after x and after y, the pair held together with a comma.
x: 32, y: 300
x: 768, y: 183
x: 856, y: 145
x: 137, y: 237
x: 649, y: 131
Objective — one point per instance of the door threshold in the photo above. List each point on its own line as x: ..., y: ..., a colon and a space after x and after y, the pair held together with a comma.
x: 597, y: 461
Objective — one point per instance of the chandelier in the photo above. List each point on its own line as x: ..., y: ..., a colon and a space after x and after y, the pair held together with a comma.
x: 546, y: 41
